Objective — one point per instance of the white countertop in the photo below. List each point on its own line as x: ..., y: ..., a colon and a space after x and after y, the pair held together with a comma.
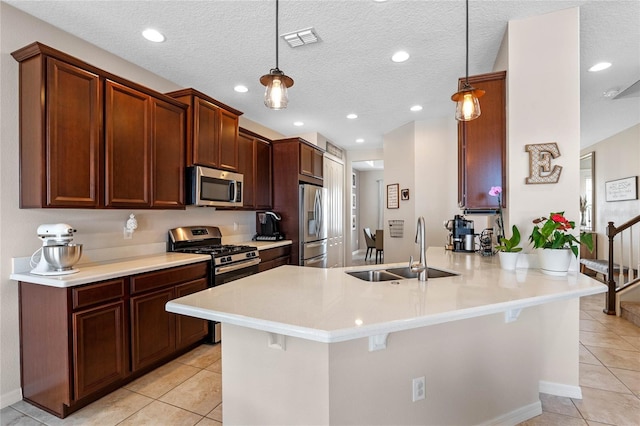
x: 266, y: 245
x: 328, y: 305
x: 99, y: 271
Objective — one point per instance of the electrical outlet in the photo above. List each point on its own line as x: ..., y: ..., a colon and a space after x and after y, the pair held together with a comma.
x: 418, y: 385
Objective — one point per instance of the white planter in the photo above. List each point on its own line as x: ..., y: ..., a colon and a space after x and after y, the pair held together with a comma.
x: 508, y: 260
x: 555, y: 261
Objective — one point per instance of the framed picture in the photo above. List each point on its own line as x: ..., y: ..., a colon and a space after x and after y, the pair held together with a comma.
x: 353, y: 201
x: 353, y: 180
x: 393, y: 202
x: 621, y: 189
x: 404, y: 194
x: 353, y: 222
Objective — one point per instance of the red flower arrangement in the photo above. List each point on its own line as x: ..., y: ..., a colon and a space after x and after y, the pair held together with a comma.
x: 554, y: 234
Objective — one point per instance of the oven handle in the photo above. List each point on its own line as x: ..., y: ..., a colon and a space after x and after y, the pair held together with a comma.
x: 236, y: 266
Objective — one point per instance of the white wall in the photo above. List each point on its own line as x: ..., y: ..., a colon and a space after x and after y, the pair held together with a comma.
x: 96, y: 229
x: 399, y: 163
x: 615, y: 158
x: 543, y: 106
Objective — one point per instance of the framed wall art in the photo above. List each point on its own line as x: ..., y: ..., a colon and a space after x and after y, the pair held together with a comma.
x: 404, y: 194
x: 393, y: 202
x: 621, y: 189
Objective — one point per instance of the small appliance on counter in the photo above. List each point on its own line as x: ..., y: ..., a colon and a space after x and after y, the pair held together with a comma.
x: 268, y: 229
x: 461, y: 235
x: 57, y: 254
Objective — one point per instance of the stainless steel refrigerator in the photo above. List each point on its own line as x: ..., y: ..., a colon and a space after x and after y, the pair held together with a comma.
x: 313, y: 226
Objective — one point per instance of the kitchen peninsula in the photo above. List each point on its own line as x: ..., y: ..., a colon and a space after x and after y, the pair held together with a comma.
x: 319, y: 346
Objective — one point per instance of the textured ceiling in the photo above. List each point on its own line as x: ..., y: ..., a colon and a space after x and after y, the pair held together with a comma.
x: 214, y: 45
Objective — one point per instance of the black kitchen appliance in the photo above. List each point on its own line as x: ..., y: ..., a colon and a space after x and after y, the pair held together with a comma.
x: 268, y: 227
x: 461, y: 237
x: 228, y: 262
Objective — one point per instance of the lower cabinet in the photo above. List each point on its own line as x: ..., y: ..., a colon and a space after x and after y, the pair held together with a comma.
x: 272, y: 258
x: 80, y: 343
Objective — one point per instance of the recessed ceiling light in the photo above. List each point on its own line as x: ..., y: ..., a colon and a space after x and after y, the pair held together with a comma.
x: 352, y: 116
x: 600, y: 66
x: 241, y: 89
x: 359, y: 140
x: 298, y: 123
x: 400, y: 56
x: 153, y: 35
x: 416, y: 108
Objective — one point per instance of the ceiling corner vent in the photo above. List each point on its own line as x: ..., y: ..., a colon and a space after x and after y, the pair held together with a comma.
x: 301, y: 37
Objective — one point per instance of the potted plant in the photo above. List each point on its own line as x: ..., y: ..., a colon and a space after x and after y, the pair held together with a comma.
x: 553, y: 236
x: 508, y: 249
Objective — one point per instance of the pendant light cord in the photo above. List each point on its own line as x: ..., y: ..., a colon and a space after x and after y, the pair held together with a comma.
x: 277, y: 36
x: 467, y: 43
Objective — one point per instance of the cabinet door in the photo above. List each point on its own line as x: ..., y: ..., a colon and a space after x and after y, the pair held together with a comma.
x: 264, y: 177
x: 318, y: 160
x: 99, y: 348
x: 246, y: 166
x: 482, y: 146
x: 228, y: 140
x: 74, y: 141
x: 128, y: 147
x: 206, y: 128
x: 306, y: 160
x: 188, y: 329
x: 152, y: 328
x: 168, y: 142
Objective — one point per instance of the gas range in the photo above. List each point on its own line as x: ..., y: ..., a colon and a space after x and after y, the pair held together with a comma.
x: 208, y: 240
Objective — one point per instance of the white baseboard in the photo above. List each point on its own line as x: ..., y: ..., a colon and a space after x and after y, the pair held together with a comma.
x: 560, y: 389
x: 6, y: 399
x: 517, y: 416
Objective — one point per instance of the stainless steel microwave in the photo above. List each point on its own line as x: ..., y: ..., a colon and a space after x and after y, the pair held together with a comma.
x: 213, y: 188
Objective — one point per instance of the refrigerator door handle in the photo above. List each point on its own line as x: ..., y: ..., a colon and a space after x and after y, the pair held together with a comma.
x: 313, y: 245
x: 317, y: 260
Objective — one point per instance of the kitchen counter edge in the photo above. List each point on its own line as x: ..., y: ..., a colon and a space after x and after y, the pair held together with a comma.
x: 100, y: 271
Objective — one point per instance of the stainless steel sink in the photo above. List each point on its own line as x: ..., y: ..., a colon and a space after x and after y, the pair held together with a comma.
x: 431, y: 273
x: 395, y: 274
x: 377, y: 275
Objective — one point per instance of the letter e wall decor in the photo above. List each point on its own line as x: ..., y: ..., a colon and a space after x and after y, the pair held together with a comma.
x: 540, y: 170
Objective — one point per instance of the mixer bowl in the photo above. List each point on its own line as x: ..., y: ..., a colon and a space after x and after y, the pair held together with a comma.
x: 62, y: 257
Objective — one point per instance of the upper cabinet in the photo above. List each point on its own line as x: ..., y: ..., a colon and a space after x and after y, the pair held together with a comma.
x: 212, y: 130
x: 307, y: 156
x: 254, y: 155
x: 90, y: 139
x: 482, y: 146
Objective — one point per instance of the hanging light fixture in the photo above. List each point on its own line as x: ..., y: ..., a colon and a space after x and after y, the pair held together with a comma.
x: 275, y: 94
x: 466, y: 99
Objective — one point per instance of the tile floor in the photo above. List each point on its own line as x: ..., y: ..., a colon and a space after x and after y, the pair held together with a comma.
x: 187, y: 391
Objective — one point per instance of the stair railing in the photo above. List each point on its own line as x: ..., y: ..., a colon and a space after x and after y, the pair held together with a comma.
x: 629, y: 262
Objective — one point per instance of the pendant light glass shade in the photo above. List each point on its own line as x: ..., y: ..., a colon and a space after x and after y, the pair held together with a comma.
x: 467, y: 103
x: 275, y: 94
x: 466, y: 99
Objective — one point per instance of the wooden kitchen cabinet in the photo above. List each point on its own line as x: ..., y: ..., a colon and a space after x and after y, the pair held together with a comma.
x: 212, y: 130
x: 482, y: 146
x: 91, y: 139
x: 274, y: 257
x: 80, y: 343
x: 311, y: 160
x: 254, y: 162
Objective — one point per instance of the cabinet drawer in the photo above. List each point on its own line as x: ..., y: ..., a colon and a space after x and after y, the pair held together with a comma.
x: 274, y: 253
x: 97, y: 293
x: 168, y: 277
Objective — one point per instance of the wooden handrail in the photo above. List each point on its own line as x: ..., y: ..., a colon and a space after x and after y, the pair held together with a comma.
x: 612, y: 231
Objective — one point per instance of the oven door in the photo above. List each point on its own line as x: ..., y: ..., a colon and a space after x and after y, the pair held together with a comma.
x: 227, y: 273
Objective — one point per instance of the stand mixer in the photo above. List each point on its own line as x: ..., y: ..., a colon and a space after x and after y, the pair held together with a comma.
x: 57, y: 254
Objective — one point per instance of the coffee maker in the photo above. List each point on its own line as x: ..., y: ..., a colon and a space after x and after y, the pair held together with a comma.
x: 268, y: 228
x: 461, y: 235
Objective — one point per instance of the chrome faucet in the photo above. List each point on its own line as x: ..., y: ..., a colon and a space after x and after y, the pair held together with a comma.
x: 421, y: 265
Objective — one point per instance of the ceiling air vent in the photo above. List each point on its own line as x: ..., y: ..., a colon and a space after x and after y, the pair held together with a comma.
x: 301, y: 37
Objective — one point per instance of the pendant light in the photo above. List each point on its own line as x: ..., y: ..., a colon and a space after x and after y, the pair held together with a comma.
x: 275, y: 94
x: 466, y: 99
